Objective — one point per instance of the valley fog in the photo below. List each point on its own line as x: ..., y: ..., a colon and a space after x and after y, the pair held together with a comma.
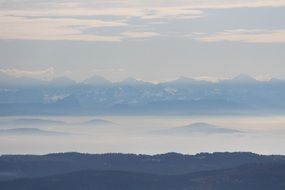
x: 142, y: 134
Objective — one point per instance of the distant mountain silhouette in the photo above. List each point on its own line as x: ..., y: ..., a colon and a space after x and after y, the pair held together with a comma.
x: 206, y: 128
x: 62, y: 81
x: 30, y: 131
x: 12, y: 81
x: 241, y: 95
x: 96, y: 80
x: 184, y: 81
x: 242, y: 79
x: 199, y: 127
x: 32, y: 121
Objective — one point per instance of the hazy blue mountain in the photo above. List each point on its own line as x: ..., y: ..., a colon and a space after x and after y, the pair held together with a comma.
x: 206, y: 128
x: 184, y: 81
x: 275, y: 80
x: 30, y: 131
x: 96, y: 80
x: 199, y: 127
x: 96, y: 122
x: 11, y: 81
x: 62, y: 81
x: 246, y: 177
x: 240, y: 95
x: 32, y: 122
x: 242, y: 79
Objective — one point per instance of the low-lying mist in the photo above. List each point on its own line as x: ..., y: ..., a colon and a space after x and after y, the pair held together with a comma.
x: 141, y: 134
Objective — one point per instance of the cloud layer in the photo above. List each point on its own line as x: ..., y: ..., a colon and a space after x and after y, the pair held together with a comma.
x: 69, y: 20
x: 38, y: 74
x: 246, y: 36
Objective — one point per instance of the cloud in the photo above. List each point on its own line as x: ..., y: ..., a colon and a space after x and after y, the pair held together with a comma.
x: 245, y: 36
x: 145, y: 3
x: 62, y: 20
x: 218, y: 4
x: 173, y: 12
x: 68, y: 20
x: 21, y: 28
x: 139, y: 34
x: 39, y: 74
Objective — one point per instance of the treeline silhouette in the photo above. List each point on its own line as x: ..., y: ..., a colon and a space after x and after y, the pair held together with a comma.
x: 217, y: 171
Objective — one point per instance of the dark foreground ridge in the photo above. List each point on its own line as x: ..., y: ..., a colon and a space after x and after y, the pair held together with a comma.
x: 247, y: 177
x: 217, y: 171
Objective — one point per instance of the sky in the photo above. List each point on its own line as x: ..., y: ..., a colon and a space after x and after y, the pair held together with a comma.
x: 152, y: 40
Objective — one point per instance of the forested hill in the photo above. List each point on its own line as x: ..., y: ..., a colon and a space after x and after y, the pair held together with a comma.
x: 21, y: 166
x: 266, y: 176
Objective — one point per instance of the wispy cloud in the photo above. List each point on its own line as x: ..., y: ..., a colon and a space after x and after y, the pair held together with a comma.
x: 139, y: 34
x: 68, y: 20
x: 62, y: 20
x: 39, y: 74
x: 145, y: 3
x: 218, y: 4
x: 245, y: 36
x: 53, y: 29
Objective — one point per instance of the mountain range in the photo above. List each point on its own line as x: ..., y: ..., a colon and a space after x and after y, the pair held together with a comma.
x: 199, y: 127
x: 96, y: 95
x: 31, y: 132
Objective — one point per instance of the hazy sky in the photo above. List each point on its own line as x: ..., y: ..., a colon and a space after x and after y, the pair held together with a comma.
x: 152, y: 39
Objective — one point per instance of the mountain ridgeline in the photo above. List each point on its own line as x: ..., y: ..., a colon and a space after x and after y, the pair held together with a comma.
x: 96, y: 95
x: 171, y: 171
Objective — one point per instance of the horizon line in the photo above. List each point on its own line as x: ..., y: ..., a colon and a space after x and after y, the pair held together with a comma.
x: 240, y: 78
